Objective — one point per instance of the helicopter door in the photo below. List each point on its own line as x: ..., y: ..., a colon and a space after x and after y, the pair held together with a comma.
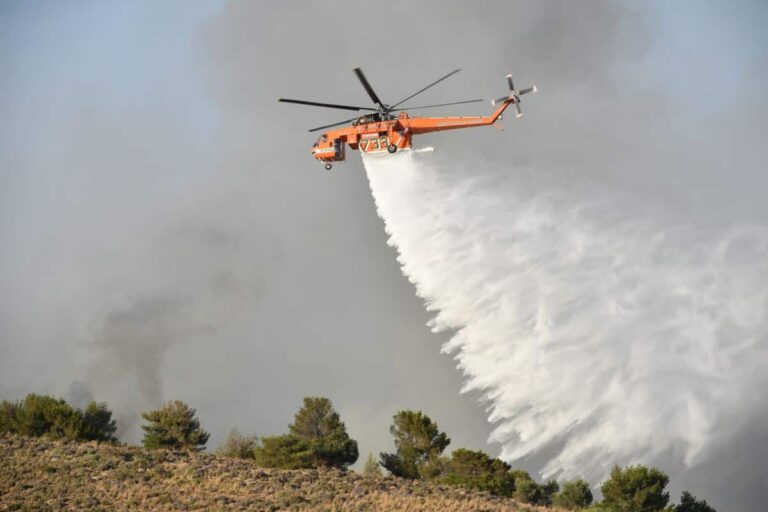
x: 338, y: 149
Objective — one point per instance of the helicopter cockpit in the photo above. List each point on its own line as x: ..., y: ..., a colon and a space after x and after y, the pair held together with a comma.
x: 368, y: 118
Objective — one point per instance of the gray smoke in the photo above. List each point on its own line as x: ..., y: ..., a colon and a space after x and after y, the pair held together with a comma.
x: 149, y: 178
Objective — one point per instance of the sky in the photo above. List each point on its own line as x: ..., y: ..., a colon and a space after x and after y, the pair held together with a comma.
x: 165, y: 233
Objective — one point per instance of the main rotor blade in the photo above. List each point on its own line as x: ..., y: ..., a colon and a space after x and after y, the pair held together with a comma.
x: 511, y: 85
x: 427, y: 87
x: 368, y: 88
x: 334, y: 124
x: 438, y: 105
x: 517, y: 107
x: 327, y: 105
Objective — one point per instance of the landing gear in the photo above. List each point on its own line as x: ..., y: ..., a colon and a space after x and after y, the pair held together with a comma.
x: 328, y: 167
x: 391, y: 148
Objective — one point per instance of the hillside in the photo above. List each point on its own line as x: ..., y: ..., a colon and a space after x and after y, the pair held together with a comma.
x: 41, y: 474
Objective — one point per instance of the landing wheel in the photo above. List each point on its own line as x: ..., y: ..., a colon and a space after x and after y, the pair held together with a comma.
x: 328, y: 167
x: 391, y: 148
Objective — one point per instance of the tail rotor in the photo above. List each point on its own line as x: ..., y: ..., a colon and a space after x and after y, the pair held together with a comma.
x: 514, y: 95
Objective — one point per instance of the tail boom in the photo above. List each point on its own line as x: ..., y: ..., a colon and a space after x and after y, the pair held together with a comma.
x: 418, y: 125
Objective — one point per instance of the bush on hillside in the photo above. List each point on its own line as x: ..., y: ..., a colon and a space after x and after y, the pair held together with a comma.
x: 44, y: 415
x: 8, y: 412
x: 283, y: 452
x: 529, y: 491
x: 574, y: 495
x: 635, y: 489
x: 477, y: 470
x: 689, y: 503
x: 98, y: 424
x: 318, y: 423
x: 418, y: 442
x: 238, y: 445
x: 317, y: 437
x: 173, y: 426
x: 372, y: 468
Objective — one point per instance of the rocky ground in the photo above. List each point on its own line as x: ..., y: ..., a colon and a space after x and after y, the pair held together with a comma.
x: 39, y: 474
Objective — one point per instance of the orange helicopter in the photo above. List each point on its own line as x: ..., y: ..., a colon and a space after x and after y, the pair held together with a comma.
x: 381, y: 130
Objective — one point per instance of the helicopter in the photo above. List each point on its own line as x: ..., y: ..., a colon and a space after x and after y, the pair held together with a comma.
x: 380, y: 130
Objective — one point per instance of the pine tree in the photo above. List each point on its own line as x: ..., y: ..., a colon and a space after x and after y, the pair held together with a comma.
x: 417, y: 442
x: 8, y: 416
x: 39, y: 415
x: 635, y: 489
x: 284, y: 452
x: 320, y: 425
x: 44, y: 415
x: 317, y: 437
x: 574, y: 495
x: 477, y: 470
x: 372, y: 468
x: 175, y: 426
x: 98, y: 424
x: 689, y: 503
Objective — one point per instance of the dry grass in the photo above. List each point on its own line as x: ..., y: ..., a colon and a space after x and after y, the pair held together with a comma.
x: 40, y: 474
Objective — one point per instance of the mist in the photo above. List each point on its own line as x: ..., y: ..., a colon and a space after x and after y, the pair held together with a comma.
x: 598, y: 333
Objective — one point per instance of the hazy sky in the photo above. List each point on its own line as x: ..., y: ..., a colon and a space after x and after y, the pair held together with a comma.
x: 165, y: 233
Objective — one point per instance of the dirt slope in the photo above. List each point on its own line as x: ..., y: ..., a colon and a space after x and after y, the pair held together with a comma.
x: 40, y: 474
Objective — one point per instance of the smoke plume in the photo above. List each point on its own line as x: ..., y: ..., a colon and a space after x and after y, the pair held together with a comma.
x: 598, y: 331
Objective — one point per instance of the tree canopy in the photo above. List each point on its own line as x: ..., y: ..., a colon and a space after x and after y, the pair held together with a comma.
x: 477, y: 470
x: 43, y: 415
x: 635, y: 489
x: 418, y: 441
x: 689, y: 503
x: 174, y: 425
x: 283, y: 452
x: 318, y: 423
x: 528, y: 490
x: 575, y: 494
x: 98, y: 424
x: 317, y: 437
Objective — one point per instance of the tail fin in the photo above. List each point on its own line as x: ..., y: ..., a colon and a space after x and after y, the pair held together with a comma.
x: 512, y: 97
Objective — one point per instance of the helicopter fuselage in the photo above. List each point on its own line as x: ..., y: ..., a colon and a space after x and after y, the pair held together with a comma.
x: 375, y: 133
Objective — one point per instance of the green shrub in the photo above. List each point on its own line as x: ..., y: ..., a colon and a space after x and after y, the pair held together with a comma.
x: 40, y: 415
x: 477, y: 470
x: 238, y: 445
x: 418, y: 442
x: 548, y: 491
x: 320, y: 425
x: 98, y: 424
x: 44, y: 415
x: 527, y: 490
x: 372, y: 469
x: 8, y: 413
x: 175, y: 426
x: 635, y: 489
x: 283, y: 452
x: 317, y: 437
x: 689, y: 503
x: 575, y: 494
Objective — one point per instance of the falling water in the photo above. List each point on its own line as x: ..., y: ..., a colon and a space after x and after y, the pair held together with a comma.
x: 595, y: 335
